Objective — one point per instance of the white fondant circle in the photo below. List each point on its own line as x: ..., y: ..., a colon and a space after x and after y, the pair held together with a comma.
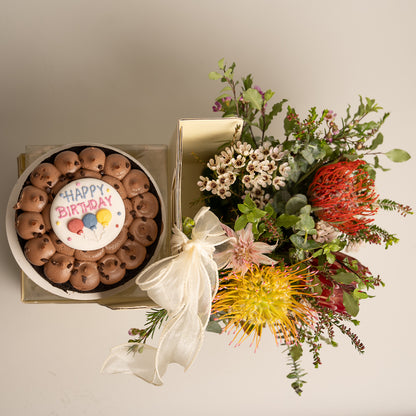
x: 84, y: 200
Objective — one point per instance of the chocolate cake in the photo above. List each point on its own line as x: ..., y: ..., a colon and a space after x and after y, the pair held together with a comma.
x: 88, y: 219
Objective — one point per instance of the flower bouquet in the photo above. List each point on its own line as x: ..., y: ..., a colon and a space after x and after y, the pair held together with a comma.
x: 286, y: 210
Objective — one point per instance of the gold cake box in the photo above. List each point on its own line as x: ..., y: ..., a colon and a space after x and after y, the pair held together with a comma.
x: 175, y: 168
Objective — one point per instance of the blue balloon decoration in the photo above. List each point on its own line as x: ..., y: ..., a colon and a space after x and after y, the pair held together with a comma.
x: 90, y: 221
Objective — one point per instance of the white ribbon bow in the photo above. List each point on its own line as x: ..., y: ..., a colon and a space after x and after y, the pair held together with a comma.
x: 183, y: 284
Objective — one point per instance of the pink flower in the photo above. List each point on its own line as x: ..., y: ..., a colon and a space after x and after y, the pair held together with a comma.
x: 242, y: 251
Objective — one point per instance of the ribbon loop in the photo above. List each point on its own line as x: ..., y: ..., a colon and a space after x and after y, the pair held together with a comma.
x: 183, y: 284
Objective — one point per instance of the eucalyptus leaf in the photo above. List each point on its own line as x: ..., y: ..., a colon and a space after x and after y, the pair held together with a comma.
x: 398, y: 155
x: 299, y: 242
x: 214, y: 326
x: 295, y: 203
x: 306, y: 210
x: 307, y: 154
x: 305, y: 223
x: 286, y: 220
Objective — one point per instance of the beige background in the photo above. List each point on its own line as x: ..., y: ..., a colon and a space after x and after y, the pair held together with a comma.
x: 123, y: 72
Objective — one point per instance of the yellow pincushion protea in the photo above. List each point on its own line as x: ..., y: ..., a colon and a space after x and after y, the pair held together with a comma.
x: 264, y: 296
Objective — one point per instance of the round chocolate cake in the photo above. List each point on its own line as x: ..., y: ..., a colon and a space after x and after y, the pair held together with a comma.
x: 88, y: 218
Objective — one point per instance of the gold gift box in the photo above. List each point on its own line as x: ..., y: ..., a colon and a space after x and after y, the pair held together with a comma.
x: 176, y: 169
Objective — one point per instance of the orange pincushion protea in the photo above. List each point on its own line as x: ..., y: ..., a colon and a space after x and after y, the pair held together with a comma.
x: 343, y: 195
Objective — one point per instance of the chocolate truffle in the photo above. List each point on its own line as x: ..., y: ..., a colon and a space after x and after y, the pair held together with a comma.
x: 116, y: 184
x: 32, y: 199
x: 85, y: 276
x: 30, y: 224
x: 92, y: 158
x: 67, y: 162
x: 128, y: 206
x: 136, y: 182
x: 89, y: 255
x: 46, y: 215
x: 117, y: 165
x: 116, y: 244
x: 60, y: 246
x: 86, y: 173
x: 145, y: 205
x: 39, y: 250
x: 131, y: 254
x: 58, y: 186
x: 144, y: 230
x: 45, y: 176
x: 59, y: 267
x: 110, y: 269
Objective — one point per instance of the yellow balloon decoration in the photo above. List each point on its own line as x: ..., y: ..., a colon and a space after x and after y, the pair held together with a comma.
x: 104, y: 217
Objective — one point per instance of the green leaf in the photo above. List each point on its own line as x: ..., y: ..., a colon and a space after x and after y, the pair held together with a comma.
x: 295, y: 203
x: 268, y: 95
x: 224, y: 95
x: 377, y: 164
x: 188, y: 225
x: 377, y: 141
x: 286, y: 220
x: 214, y: 326
x: 296, y: 352
x: 259, y: 213
x: 306, y: 210
x: 254, y: 98
x: 229, y: 73
x: 345, y: 277
x: 249, y: 202
x: 351, y: 157
x: 307, y: 154
x: 306, y: 223
x: 214, y: 75
x: 398, y: 155
x: 350, y: 303
x: 330, y: 258
x: 269, y: 210
x: 359, y: 295
x: 251, y: 217
x: 221, y: 64
x: 240, y: 223
x: 243, y: 208
x: 226, y: 88
x: 299, y: 242
x: 247, y: 82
